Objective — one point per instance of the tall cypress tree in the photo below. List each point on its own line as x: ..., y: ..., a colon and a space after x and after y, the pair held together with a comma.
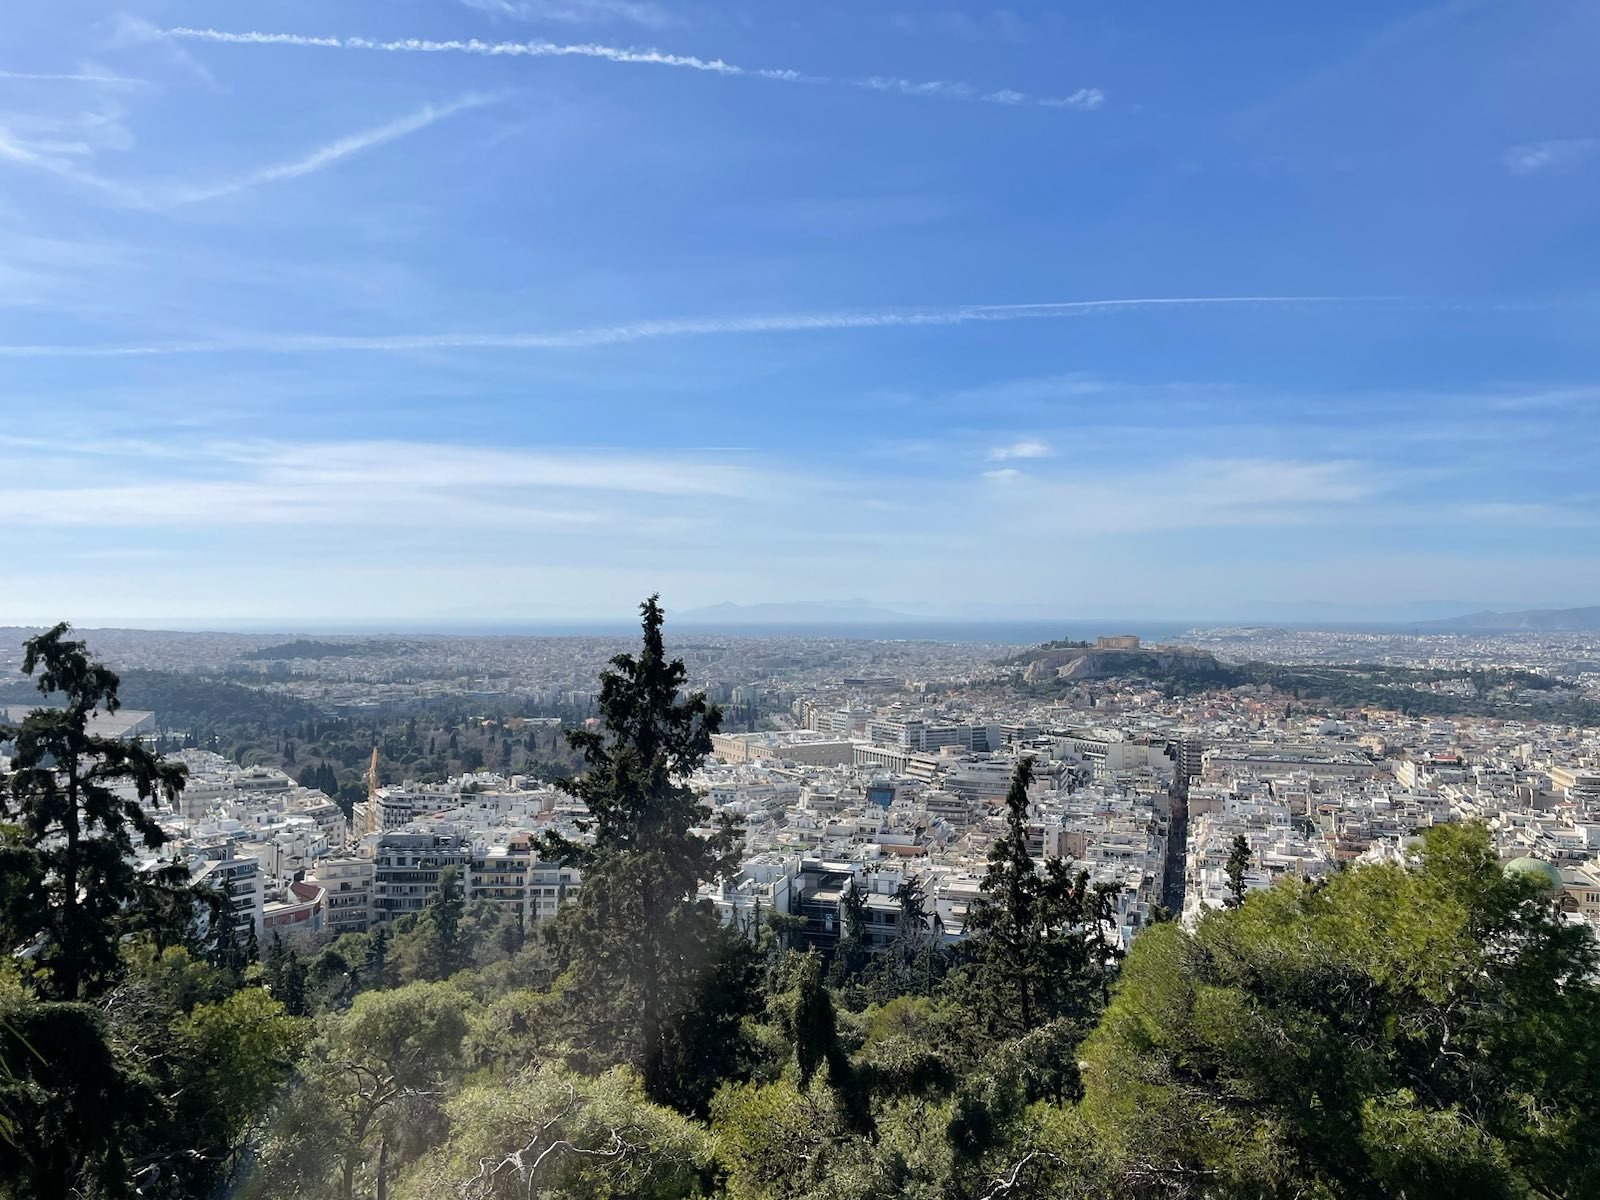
x: 1005, y: 925
x: 636, y: 946
x: 1238, y: 864
x: 1038, y: 953
x: 77, y: 827
x: 444, y: 912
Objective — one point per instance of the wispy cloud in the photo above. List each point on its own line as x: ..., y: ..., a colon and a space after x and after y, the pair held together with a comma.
x: 1026, y: 448
x: 60, y: 160
x: 577, y: 12
x: 1088, y: 98
x: 1559, y: 154
x: 367, y: 483
x: 63, y: 159
x: 96, y: 77
x: 333, y: 152
x: 1197, y: 493
x: 1084, y: 98
x: 639, y: 331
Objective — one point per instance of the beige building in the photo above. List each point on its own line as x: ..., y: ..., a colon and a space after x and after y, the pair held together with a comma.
x: 348, y: 883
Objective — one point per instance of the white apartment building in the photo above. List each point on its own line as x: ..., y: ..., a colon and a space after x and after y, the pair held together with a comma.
x: 238, y: 879
x: 348, y: 882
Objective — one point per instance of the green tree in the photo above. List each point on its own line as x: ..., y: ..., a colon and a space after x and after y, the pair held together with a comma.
x: 911, y: 962
x: 548, y: 1132
x: 850, y: 954
x: 773, y: 1138
x: 376, y: 1075
x: 69, y: 1097
x: 1007, y: 977
x: 1238, y: 864
x: 287, y: 977
x: 635, y: 944
x: 75, y: 824
x: 234, y: 1056
x: 1428, y: 1030
x: 443, y: 912
x: 376, y: 966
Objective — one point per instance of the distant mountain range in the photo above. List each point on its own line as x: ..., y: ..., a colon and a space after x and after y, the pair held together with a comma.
x: 1533, y: 620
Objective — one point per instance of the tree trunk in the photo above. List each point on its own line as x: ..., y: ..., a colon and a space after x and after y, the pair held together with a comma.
x: 69, y: 966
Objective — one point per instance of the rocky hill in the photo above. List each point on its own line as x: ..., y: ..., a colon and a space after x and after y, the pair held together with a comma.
x: 1075, y: 663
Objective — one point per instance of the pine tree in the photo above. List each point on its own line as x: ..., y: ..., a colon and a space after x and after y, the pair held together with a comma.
x: 287, y: 978
x: 1238, y: 864
x: 851, y: 954
x: 76, y: 827
x: 443, y: 912
x: 635, y: 943
x: 1005, y: 923
x: 377, y: 956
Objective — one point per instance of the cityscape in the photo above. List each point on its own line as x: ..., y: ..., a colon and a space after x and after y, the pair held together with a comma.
x: 882, y: 761
x: 741, y: 600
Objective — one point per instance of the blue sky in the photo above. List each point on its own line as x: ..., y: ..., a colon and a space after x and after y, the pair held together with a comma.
x: 435, y: 310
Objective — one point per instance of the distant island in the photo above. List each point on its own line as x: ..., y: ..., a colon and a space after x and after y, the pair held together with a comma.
x: 1533, y: 620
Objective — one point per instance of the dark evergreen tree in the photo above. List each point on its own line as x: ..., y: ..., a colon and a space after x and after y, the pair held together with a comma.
x: 1238, y: 864
x: 377, y: 956
x: 443, y: 913
x: 1037, y: 948
x: 1005, y: 925
x: 850, y: 954
x: 635, y: 945
x: 287, y: 977
x: 74, y: 825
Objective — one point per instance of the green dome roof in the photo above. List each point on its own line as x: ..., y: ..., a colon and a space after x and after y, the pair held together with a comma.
x: 1536, y: 870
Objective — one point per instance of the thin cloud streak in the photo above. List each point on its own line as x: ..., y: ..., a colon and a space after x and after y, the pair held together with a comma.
x: 161, y: 197
x: 640, y: 331
x: 326, y: 156
x: 75, y: 77
x: 1085, y: 99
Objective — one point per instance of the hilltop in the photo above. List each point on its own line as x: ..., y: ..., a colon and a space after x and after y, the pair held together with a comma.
x: 1111, y: 658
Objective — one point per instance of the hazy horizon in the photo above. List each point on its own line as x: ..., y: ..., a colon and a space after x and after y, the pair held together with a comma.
x: 754, y: 621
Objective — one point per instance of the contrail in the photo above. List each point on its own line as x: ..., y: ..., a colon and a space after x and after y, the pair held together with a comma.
x: 1084, y: 98
x: 75, y: 77
x: 325, y: 156
x: 157, y: 198
x: 641, y: 331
